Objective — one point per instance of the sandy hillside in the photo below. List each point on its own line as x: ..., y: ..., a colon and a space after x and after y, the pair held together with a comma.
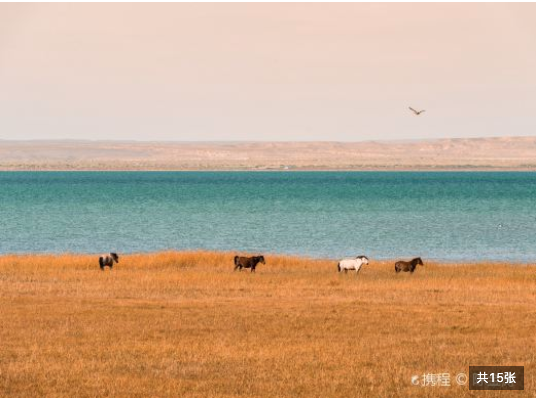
x: 517, y: 153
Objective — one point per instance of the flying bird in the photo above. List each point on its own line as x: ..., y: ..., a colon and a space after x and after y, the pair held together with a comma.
x: 415, y: 111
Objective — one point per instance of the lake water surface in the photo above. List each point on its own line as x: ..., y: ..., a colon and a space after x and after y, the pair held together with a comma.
x: 441, y: 215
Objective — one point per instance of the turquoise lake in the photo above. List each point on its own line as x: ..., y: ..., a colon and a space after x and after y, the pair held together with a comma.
x: 437, y: 215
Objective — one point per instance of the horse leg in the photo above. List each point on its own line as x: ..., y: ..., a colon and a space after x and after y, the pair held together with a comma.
x: 346, y: 270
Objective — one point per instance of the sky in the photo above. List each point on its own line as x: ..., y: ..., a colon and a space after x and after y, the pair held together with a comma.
x: 266, y: 72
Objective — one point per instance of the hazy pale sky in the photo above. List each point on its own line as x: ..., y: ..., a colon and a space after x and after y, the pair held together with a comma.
x: 342, y: 72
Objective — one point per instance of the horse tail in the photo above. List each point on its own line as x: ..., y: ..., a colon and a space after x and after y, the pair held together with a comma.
x: 339, y: 266
x: 101, y: 263
x: 236, y: 260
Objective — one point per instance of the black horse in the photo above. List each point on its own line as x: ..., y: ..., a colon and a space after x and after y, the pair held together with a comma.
x: 107, y: 260
x: 247, y: 262
x: 408, y: 266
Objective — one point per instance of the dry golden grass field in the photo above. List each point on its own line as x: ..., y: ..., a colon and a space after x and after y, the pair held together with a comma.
x: 186, y: 325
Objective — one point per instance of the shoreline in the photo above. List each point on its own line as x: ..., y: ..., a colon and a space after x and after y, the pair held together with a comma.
x: 179, y: 254
x: 386, y: 169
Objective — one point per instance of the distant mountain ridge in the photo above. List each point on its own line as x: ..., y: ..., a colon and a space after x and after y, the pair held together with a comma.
x: 502, y: 153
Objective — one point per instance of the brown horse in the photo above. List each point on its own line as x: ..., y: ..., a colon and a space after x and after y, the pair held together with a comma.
x: 247, y: 262
x: 408, y: 266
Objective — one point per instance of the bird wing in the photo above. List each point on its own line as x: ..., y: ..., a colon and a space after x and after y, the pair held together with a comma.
x: 413, y: 110
x: 424, y: 110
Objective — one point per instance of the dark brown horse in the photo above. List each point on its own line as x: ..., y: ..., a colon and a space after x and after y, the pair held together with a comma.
x: 408, y: 266
x: 107, y: 260
x: 247, y: 262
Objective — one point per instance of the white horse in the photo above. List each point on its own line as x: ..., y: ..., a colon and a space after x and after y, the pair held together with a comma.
x: 352, y: 264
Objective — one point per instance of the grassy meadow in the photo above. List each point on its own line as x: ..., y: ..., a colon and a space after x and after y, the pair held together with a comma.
x: 183, y: 324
